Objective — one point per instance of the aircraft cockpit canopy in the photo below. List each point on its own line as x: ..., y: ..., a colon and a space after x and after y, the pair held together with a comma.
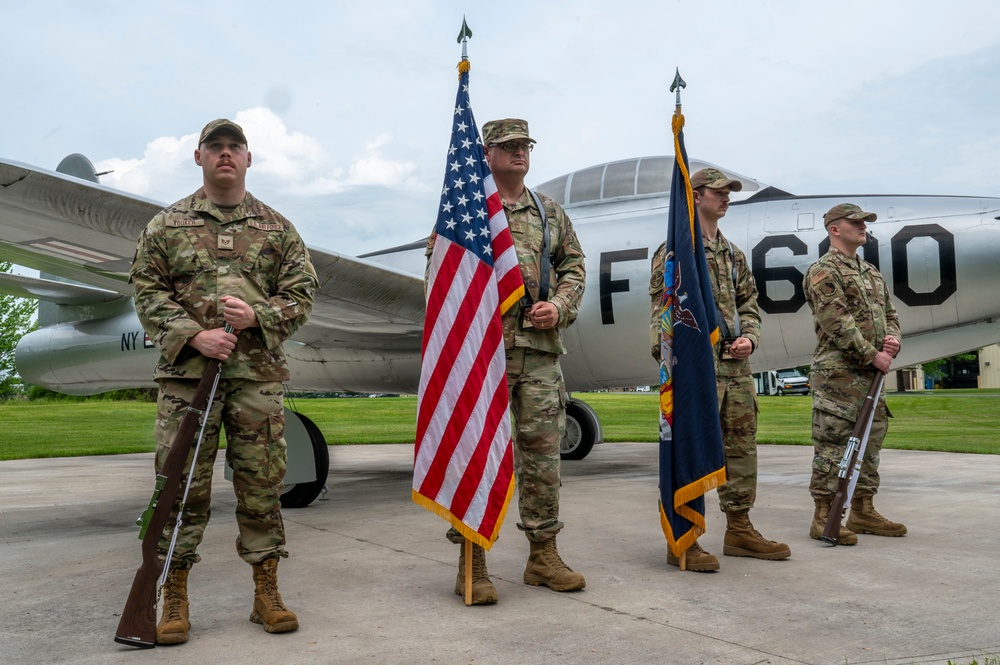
x: 628, y: 178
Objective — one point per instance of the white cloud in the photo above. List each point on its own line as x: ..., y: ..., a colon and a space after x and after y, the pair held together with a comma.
x: 166, y: 165
x: 373, y: 168
x: 291, y: 162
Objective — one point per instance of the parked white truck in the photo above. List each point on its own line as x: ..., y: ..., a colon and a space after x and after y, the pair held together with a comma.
x: 782, y: 382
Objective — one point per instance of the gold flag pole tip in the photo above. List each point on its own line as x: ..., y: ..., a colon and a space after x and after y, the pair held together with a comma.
x: 463, y: 38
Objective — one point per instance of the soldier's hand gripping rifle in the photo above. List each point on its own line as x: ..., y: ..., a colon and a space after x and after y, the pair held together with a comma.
x: 137, y: 626
x: 850, y: 465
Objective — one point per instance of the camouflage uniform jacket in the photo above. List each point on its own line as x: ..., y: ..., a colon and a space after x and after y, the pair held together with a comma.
x: 852, y: 311
x: 731, y: 299
x: 567, y: 277
x: 190, y: 254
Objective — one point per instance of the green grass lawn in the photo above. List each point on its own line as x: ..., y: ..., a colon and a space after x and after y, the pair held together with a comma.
x: 63, y: 429
x: 966, y: 421
x: 954, y: 420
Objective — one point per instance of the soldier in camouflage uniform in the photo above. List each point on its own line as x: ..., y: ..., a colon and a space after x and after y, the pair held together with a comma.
x: 857, y: 335
x: 739, y: 323
x: 533, y: 343
x: 221, y: 256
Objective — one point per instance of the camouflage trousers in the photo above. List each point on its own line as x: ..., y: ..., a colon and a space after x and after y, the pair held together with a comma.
x: 538, y: 421
x: 837, y: 397
x: 738, y: 416
x: 252, y: 413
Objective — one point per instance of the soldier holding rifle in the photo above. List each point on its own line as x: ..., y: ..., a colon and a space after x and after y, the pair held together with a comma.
x: 220, y: 256
x: 857, y: 334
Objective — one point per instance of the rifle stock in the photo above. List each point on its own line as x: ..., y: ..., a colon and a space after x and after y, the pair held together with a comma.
x: 850, y: 466
x: 137, y: 626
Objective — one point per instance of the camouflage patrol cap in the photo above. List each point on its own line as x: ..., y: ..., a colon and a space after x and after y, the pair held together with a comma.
x: 222, y: 125
x: 508, y: 129
x: 714, y: 179
x: 847, y: 211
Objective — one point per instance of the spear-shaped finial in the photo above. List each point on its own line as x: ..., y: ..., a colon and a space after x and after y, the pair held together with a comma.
x: 677, y: 85
x: 463, y: 37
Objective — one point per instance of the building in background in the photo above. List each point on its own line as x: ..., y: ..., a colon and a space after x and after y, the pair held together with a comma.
x: 983, y: 371
x: 989, y: 367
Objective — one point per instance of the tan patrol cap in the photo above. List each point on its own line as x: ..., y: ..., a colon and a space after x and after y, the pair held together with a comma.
x: 508, y: 129
x: 714, y: 179
x: 222, y: 125
x: 847, y: 211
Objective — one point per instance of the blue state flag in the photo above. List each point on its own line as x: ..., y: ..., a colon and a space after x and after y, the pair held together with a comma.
x: 692, y: 461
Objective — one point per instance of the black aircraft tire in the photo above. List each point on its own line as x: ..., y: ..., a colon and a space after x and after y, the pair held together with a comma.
x: 580, y: 435
x: 302, y: 494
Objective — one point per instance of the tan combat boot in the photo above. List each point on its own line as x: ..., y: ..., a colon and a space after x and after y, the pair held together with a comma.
x: 546, y: 567
x: 174, y: 624
x: 822, y: 514
x: 742, y: 539
x: 267, y: 606
x: 863, y: 518
x: 483, y: 591
x: 697, y: 560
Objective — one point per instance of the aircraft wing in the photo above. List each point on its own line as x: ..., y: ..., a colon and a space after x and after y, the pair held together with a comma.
x: 64, y: 226
x: 61, y: 293
x: 364, y: 305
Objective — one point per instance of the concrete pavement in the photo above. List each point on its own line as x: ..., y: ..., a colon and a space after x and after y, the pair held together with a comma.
x: 371, y: 575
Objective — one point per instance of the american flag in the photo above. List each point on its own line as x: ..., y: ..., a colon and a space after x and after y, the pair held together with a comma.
x: 692, y: 461
x: 463, y: 467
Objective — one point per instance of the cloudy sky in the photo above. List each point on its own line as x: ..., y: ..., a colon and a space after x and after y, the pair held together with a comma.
x: 348, y: 105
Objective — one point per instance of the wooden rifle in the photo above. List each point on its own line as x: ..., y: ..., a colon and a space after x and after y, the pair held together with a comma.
x: 850, y: 465
x: 137, y: 626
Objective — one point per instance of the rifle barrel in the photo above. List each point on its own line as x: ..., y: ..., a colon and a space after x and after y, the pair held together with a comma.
x: 137, y: 626
x: 856, y: 444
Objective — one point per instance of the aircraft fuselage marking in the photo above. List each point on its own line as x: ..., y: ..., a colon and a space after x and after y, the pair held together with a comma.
x: 609, y: 286
x: 764, y: 274
x: 945, y: 241
x: 130, y: 341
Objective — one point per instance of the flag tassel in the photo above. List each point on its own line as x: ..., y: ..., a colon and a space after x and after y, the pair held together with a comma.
x: 484, y: 541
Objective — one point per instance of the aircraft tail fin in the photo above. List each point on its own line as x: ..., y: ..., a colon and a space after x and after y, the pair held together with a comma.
x: 78, y: 166
x: 769, y: 193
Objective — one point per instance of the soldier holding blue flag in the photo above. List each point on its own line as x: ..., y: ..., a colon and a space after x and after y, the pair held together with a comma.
x: 738, y: 317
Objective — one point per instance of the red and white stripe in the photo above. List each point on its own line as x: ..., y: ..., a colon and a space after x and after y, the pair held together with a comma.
x: 463, y: 461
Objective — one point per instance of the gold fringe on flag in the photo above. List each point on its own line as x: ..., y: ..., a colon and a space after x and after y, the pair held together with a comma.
x: 462, y: 527
x: 677, y: 124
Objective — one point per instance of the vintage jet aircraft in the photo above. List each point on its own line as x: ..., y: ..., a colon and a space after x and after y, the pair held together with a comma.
x: 937, y: 254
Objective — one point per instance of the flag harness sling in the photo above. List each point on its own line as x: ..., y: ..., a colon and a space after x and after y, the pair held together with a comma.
x: 545, y: 261
x: 736, y: 332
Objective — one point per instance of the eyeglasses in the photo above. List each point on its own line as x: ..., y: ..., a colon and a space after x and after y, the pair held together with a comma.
x: 513, y: 146
x: 219, y: 146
